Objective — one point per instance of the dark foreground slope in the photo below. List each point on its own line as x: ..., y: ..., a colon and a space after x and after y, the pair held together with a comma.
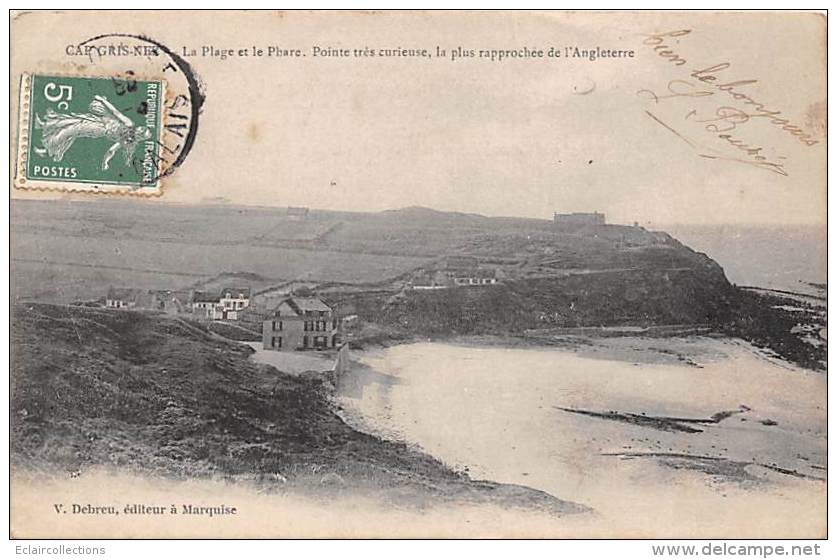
x: 156, y: 395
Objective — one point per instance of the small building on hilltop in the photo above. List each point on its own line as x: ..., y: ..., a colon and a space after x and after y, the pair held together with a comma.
x: 300, y: 323
x: 475, y: 276
x: 454, y: 271
x: 458, y: 271
x: 578, y: 220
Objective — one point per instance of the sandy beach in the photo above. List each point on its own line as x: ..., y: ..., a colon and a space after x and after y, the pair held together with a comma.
x: 672, y: 437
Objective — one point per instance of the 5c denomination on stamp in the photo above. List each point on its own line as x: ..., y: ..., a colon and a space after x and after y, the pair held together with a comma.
x: 97, y: 134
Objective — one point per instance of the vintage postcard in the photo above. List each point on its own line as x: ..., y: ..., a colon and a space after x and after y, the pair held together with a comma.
x: 418, y: 274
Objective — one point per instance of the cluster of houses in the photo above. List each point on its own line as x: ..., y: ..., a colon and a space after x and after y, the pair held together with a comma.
x: 295, y: 323
x: 226, y: 304
x: 156, y: 299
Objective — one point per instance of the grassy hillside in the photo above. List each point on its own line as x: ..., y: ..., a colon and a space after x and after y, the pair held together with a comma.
x: 157, y: 395
x: 66, y: 251
x: 638, y: 298
x: 783, y: 325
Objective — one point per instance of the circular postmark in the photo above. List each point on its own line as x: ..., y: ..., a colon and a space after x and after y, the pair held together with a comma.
x: 129, y: 58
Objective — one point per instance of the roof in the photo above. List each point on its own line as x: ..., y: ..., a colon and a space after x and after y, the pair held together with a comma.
x: 236, y: 290
x: 215, y: 297
x: 476, y: 273
x: 301, y: 305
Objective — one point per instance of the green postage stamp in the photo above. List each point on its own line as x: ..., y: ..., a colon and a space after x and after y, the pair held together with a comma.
x: 95, y: 134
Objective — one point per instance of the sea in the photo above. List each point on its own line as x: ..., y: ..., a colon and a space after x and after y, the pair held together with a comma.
x: 786, y: 257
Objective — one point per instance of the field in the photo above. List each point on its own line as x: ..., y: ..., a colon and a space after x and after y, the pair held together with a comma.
x: 65, y: 251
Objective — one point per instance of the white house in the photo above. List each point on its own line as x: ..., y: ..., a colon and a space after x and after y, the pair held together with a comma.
x: 234, y: 299
x: 478, y: 276
x: 225, y: 305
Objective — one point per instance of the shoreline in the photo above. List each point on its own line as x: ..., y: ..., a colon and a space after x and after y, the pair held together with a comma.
x: 197, y: 392
x: 770, y: 320
x: 400, y: 484
x: 689, y: 433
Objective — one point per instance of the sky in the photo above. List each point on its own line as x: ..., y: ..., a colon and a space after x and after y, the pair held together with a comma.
x: 522, y: 137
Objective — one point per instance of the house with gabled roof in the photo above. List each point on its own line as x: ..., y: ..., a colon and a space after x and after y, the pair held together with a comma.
x: 233, y: 300
x: 226, y: 304
x: 299, y: 323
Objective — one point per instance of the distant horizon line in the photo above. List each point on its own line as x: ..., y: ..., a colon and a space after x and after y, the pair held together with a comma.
x: 232, y: 204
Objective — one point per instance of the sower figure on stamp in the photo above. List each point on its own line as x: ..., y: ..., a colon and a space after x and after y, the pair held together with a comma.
x: 103, y: 121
